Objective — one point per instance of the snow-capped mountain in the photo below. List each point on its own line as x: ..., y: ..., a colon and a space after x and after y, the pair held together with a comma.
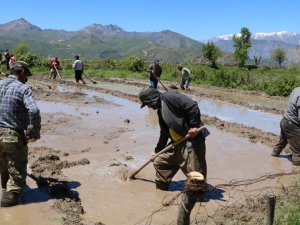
x: 263, y: 44
x: 284, y: 36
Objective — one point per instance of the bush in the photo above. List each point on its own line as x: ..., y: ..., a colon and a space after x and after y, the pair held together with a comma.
x: 282, y: 86
x: 133, y: 63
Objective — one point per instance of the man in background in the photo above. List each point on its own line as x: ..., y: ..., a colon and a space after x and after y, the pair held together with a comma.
x: 78, y: 69
x: 55, y: 67
x: 185, y: 77
x: 155, y: 71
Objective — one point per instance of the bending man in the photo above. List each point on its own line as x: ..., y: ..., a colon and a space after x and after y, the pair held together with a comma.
x: 178, y: 116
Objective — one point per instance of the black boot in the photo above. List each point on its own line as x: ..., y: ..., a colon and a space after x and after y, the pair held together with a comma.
x: 9, y: 199
x: 4, y: 179
x: 162, y: 185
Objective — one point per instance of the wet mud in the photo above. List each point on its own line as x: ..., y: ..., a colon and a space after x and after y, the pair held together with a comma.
x: 80, y: 167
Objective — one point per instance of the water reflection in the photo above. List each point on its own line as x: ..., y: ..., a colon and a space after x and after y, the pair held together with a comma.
x: 267, y: 122
x: 232, y: 113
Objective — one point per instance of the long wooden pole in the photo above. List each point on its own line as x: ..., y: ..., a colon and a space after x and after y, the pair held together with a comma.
x: 132, y: 176
x: 57, y: 71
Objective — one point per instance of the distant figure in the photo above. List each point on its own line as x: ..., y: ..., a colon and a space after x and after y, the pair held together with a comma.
x: 6, y: 55
x: 78, y: 69
x: 11, y: 60
x: 290, y: 128
x: 155, y: 71
x: 55, y: 66
x: 185, y: 77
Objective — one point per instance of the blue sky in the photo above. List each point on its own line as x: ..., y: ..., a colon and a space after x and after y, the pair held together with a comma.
x: 197, y: 19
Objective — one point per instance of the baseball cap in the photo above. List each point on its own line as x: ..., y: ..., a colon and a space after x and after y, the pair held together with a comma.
x: 148, y: 95
x: 21, y: 65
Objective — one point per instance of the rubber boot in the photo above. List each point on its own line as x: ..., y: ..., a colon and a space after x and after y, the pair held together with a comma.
x: 275, y: 153
x: 9, y: 199
x: 4, y: 179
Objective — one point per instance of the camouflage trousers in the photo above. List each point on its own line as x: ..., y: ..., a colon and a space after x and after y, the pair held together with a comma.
x: 52, y: 74
x: 13, y: 160
x: 188, y: 156
x: 289, y: 134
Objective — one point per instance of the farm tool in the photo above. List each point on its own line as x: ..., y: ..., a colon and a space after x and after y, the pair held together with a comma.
x: 94, y: 82
x: 57, y: 72
x: 174, y: 86
x: 169, y: 147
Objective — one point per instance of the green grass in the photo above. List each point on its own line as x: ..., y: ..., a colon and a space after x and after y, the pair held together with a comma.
x: 287, y: 211
x: 272, y: 81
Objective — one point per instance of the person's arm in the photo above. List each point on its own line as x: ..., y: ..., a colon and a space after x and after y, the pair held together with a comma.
x: 34, y: 114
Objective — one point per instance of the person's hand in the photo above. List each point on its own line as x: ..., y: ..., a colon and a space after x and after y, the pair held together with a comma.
x: 152, y: 156
x: 192, y: 132
x: 30, y: 140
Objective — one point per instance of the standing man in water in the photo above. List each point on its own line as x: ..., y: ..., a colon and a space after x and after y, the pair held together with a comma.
x: 178, y: 116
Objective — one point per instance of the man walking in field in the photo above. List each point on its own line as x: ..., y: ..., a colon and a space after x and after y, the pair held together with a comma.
x: 78, y: 69
x: 19, y: 112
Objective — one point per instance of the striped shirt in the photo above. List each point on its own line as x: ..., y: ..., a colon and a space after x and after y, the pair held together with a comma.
x: 18, y: 108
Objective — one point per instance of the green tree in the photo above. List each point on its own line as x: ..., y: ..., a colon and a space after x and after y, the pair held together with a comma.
x: 23, y: 52
x: 211, y: 53
x: 242, y: 44
x: 133, y: 63
x: 21, y: 49
x: 279, y: 55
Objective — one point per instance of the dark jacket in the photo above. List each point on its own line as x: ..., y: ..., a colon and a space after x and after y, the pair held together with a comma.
x: 180, y: 113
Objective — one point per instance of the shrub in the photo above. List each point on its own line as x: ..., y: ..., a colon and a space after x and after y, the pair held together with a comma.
x: 282, y: 86
x: 133, y: 63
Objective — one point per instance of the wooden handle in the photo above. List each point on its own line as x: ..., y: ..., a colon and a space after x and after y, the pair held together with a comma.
x: 132, y: 176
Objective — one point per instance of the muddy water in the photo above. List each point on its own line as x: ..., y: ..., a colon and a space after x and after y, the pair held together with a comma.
x: 118, y: 138
x: 266, y: 122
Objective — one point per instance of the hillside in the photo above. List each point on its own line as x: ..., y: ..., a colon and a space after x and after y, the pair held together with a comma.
x: 97, y: 40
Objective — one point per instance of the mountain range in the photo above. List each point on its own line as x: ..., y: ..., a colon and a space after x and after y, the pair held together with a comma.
x: 104, y: 41
x: 263, y: 44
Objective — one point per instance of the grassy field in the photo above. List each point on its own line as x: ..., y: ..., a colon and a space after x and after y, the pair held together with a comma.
x: 272, y: 81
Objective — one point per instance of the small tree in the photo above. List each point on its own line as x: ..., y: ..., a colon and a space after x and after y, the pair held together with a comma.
x: 241, y: 45
x: 211, y: 53
x: 279, y: 55
x: 23, y: 52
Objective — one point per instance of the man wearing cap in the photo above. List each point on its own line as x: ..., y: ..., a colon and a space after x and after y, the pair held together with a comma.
x: 178, y: 115
x: 155, y: 71
x: 19, y: 112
